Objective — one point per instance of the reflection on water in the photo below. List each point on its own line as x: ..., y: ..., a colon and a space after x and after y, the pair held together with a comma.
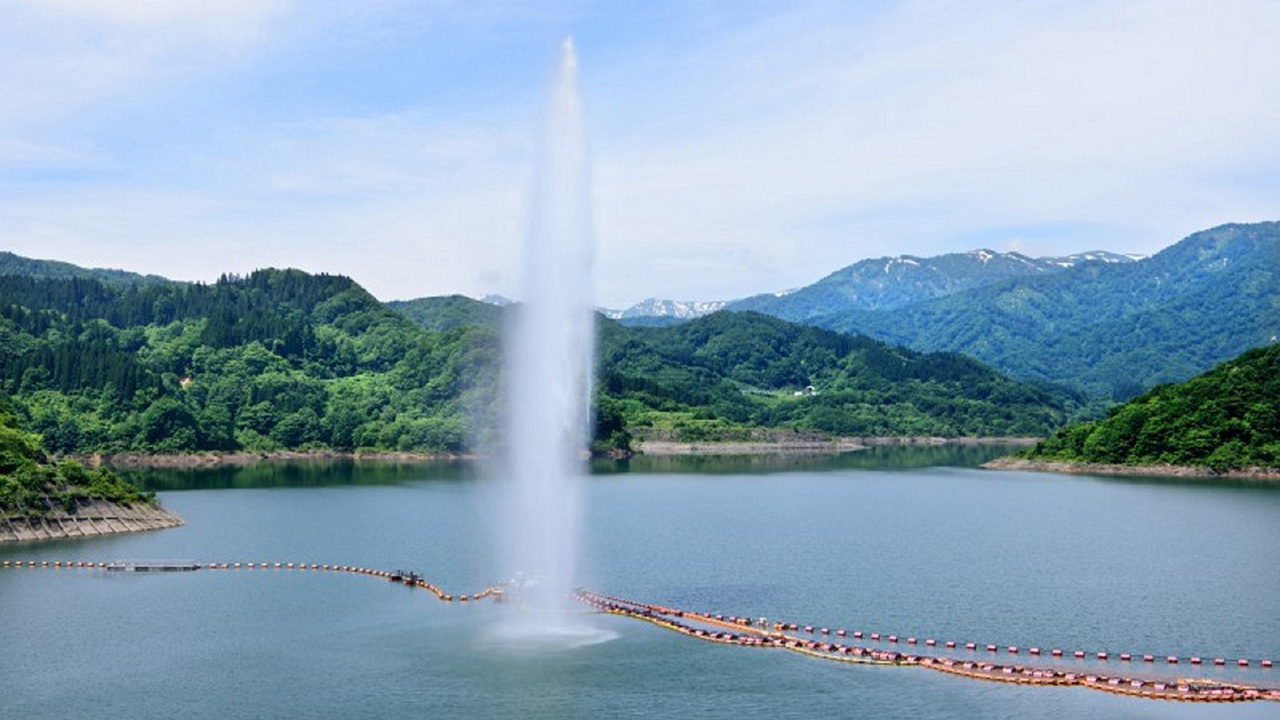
x: 293, y: 473
x: 863, y: 542
x: 876, y: 457
x: 322, y: 473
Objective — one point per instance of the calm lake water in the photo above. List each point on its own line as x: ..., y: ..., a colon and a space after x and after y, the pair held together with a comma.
x: 912, y: 541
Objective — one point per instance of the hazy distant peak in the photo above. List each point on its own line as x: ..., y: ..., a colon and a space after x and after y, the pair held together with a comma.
x: 880, y: 283
x: 655, y: 307
x: 1095, y: 256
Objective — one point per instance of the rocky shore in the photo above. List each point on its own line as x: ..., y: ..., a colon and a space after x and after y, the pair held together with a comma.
x: 1261, y: 475
x: 179, y: 461
x: 93, y: 517
x: 806, y: 444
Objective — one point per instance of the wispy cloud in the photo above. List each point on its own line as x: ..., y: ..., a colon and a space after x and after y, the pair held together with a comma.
x: 736, y: 151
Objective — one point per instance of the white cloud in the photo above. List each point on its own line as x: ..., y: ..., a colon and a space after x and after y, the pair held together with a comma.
x: 62, y: 56
x: 741, y: 158
x: 941, y: 119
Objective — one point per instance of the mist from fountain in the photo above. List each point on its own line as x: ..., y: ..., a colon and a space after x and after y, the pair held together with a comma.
x: 549, y: 351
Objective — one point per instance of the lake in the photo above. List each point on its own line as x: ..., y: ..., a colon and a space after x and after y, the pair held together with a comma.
x: 910, y: 541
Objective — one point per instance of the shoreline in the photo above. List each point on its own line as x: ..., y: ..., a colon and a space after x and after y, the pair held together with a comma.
x: 91, y: 519
x: 207, y: 460
x: 1258, y: 475
x: 810, y: 446
x: 654, y: 447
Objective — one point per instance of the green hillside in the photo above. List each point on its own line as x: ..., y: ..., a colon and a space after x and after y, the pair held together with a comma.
x: 11, y: 264
x: 448, y: 312
x: 31, y: 485
x: 278, y: 359
x: 1109, y: 329
x: 733, y: 369
x: 282, y: 359
x: 1227, y: 418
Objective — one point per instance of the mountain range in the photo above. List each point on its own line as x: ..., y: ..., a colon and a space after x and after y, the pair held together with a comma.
x: 1108, y: 324
x: 111, y: 359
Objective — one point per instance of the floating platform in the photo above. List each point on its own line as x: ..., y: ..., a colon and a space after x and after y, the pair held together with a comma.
x: 153, y: 566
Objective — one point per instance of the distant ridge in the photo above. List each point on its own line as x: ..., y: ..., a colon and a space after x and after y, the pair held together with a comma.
x: 673, y: 309
x: 892, y: 282
x: 874, y: 284
x: 1108, y: 328
x: 11, y: 264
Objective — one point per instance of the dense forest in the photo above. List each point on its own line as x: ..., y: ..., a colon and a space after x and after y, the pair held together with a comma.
x: 282, y: 359
x: 32, y: 485
x: 1109, y: 329
x: 732, y: 369
x: 1227, y: 418
x: 278, y: 359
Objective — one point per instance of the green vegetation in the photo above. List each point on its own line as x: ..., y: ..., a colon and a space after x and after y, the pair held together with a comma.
x: 278, y: 359
x: 1110, y: 330
x: 448, y: 312
x: 11, y: 264
x: 716, y: 377
x: 30, y: 485
x: 1228, y: 418
x: 281, y: 359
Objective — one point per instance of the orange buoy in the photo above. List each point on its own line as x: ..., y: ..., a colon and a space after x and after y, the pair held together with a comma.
x: 1266, y: 663
x: 1171, y: 660
x: 1219, y: 661
x: 1079, y: 653
x: 1242, y: 662
x: 1102, y: 655
x: 951, y: 643
x: 1195, y: 660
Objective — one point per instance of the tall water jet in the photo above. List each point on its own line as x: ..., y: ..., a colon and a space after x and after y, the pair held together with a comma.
x: 550, y: 347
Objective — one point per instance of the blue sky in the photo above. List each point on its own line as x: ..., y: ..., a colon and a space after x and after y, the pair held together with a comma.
x: 738, y: 147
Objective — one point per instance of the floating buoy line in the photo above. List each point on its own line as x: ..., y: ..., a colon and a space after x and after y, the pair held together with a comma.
x: 819, y: 642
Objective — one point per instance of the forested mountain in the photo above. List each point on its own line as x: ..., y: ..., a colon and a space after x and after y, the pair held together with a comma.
x: 892, y: 282
x: 277, y: 359
x: 448, y: 312
x: 1227, y: 418
x: 11, y: 264
x: 1110, y: 329
x: 749, y: 369
x: 281, y: 359
x: 31, y: 485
